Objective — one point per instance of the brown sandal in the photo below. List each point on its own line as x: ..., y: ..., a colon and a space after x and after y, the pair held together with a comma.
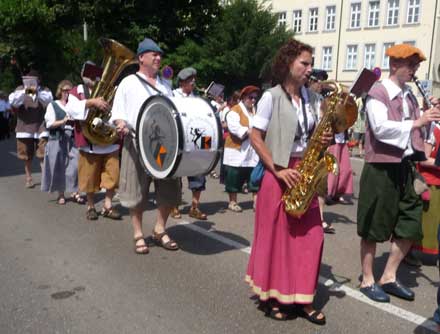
x: 197, y: 214
x: 91, y: 214
x: 158, y: 239
x: 111, y: 213
x: 137, y: 247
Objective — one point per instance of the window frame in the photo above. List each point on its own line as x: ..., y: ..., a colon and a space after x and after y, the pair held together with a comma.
x: 368, y: 54
x: 358, y: 14
x: 375, y: 12
x: 313, y: 17
x: 395, y: 13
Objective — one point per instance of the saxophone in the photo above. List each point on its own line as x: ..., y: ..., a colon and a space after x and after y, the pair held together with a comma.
x: 96, y: 127
x: 340, y: 113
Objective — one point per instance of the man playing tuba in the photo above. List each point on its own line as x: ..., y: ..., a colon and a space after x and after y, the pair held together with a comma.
x: 98, y: 165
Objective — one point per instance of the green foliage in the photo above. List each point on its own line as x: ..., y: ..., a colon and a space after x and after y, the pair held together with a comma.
x: 231, y: 45
x: 238, y: 49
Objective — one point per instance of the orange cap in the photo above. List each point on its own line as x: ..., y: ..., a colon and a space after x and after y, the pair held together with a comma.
x: 405, y: 51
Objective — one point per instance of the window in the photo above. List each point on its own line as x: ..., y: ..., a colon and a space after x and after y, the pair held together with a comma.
x: 385, y: 58
x: 327, y: 58
x: 351, y: 62
x: 355, y: 15
x: 393, y: 12
x: 330, y: 17
x: 413, y: 15
x: 297, y: 18
x: 373, y: 14
x: 313, y: 19
x: 313, y: 57
x: 282, y: 19
x: 370, y: 50
x: 413, y: 43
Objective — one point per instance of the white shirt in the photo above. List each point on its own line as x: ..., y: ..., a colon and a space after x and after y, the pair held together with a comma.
x: 50, y: 118
x: 393, y: 133
x: 77, y: 110
x: 130, y: 96
x: 179, y: 93
x: 16, y: 99
x: 5, y: 107
x: 264, y: 114
x: 246, y: 155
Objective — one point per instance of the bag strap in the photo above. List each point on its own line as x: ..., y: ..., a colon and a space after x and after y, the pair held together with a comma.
x: 147, y: 83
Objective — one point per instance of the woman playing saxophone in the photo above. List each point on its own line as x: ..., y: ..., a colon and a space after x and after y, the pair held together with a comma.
x: 286, y: 117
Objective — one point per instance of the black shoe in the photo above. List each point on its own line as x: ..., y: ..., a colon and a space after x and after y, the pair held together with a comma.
x: 376, y: 293
x: 399, y: 290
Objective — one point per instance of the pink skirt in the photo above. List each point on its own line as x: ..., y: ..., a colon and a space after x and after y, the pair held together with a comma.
x: 286, y: 252
x: 341, y: 184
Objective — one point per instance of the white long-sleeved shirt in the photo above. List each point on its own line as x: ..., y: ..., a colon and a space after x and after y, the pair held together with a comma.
x: 395, y: 133
x: 16, y: 100
x: 245, y: 156
x: 77, y: 110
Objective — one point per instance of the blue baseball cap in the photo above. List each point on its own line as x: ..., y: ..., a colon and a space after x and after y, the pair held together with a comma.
x: 148, y: 45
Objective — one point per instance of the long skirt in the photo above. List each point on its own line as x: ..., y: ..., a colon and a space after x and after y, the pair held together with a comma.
x: 341, y: 184
x: 286, y: 252
x: 430, y: 223
x: 60, y: 168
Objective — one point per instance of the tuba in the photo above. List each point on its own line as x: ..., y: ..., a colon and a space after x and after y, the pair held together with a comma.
x: 96, y: 127
x: 340, y: 113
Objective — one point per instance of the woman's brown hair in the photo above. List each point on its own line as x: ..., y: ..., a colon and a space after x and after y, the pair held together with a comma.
x: 285, y: 55
x: 62, y: 84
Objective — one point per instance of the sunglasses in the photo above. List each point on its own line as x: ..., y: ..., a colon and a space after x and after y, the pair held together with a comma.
x: 252, y: 97
x: 65, y: 90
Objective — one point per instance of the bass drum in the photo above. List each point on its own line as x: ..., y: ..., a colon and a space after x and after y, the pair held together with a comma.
x: 178, y: 136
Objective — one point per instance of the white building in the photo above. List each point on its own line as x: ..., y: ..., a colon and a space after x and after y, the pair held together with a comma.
x: 348, y: 35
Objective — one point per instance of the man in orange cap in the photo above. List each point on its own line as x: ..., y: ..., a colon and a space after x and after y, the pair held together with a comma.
x: 389, y: 208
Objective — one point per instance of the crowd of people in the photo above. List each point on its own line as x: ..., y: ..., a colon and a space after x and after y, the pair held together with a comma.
x: 270, y: 128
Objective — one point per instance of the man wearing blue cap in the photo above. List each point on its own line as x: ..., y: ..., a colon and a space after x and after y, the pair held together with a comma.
x: 134, y: 182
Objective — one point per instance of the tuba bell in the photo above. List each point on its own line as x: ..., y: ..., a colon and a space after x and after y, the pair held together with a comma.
x: 340, y: 112
x: 96, y: 127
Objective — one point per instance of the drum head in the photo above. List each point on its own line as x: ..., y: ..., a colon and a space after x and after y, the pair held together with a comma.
x: 157, y: 136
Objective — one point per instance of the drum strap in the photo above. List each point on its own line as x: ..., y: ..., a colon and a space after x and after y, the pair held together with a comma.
x: 147, y: 83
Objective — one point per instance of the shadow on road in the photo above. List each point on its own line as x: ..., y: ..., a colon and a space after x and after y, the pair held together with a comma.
x: 196, y: 243
x: 334, y: 217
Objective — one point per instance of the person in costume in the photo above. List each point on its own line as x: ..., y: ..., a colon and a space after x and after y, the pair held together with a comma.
x: 187, y: 83
x: 29, y: 102
x: 98, y: 165
x: 389, y: 208
x: 60, y: 168
x: 133, y: 188
x: 286, y: 252
x: 239, y: 157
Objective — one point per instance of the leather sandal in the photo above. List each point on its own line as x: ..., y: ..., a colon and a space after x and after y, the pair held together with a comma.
x: 77, y: 198
x: 169, y: 245
x: 111, y: 213
x: 144, y: 247
x: 29, y: 183
x: 197, y: 214
x: 313, y: 316
x: 91, y: 214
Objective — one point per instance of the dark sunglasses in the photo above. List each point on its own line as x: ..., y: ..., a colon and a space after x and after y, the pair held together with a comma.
x: 252, y: 97
x: 65, y: 90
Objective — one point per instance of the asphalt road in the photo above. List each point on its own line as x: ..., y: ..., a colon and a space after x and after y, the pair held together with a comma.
x: 60, y: 273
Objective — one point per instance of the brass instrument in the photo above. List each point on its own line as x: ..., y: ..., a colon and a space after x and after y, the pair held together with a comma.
x: 340, y: 113
x: 96, y: 127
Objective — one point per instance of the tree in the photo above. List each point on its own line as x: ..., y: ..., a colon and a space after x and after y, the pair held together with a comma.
x: 239, y: 46
x: 47, y: 34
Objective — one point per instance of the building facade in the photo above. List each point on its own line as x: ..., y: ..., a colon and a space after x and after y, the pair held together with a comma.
x: 348, y: 35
